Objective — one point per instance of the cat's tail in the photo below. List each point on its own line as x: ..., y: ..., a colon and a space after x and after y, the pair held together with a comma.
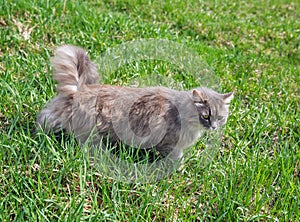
x: 72, y: 69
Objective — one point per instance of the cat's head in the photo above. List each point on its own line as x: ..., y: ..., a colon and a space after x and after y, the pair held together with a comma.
x: 212, y: 107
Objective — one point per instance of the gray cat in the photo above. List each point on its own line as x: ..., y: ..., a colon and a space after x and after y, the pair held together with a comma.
x: 159, y: 117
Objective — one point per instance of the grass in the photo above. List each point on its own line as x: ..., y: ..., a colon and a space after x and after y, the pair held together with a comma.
x: 253, y: 48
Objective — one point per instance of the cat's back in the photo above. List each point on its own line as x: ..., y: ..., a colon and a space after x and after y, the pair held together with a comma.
x: 112, y: 92
x: 119, y: 100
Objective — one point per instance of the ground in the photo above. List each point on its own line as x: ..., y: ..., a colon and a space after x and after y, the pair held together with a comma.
x: 251, y: 46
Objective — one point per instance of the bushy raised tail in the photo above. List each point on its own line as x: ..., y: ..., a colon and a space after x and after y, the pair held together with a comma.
x: 72, y: 69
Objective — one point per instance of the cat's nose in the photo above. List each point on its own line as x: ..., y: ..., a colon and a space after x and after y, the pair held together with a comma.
x: 213, y: 127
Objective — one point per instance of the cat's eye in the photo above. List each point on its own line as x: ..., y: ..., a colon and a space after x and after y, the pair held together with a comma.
x: 221, y: 117
x: 205, y: 116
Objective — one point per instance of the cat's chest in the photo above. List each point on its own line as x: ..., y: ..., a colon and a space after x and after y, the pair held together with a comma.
x: 189, y: 137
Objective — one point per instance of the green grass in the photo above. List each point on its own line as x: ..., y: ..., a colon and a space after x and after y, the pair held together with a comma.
x: 253, y: 47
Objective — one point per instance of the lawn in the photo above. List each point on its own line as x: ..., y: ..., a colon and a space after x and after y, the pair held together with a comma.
x: 252, y: 48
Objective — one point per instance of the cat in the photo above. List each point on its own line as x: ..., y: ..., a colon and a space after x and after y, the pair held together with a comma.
x: 149, y: 117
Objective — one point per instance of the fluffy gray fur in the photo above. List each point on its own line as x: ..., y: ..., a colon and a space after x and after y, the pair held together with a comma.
x: 159, y: 117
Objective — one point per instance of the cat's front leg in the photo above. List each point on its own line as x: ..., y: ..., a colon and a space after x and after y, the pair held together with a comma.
x: 176, y: 154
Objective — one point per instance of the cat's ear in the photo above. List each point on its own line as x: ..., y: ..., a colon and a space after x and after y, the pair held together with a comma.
x: 199, y: 97
x: 227, y: 97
